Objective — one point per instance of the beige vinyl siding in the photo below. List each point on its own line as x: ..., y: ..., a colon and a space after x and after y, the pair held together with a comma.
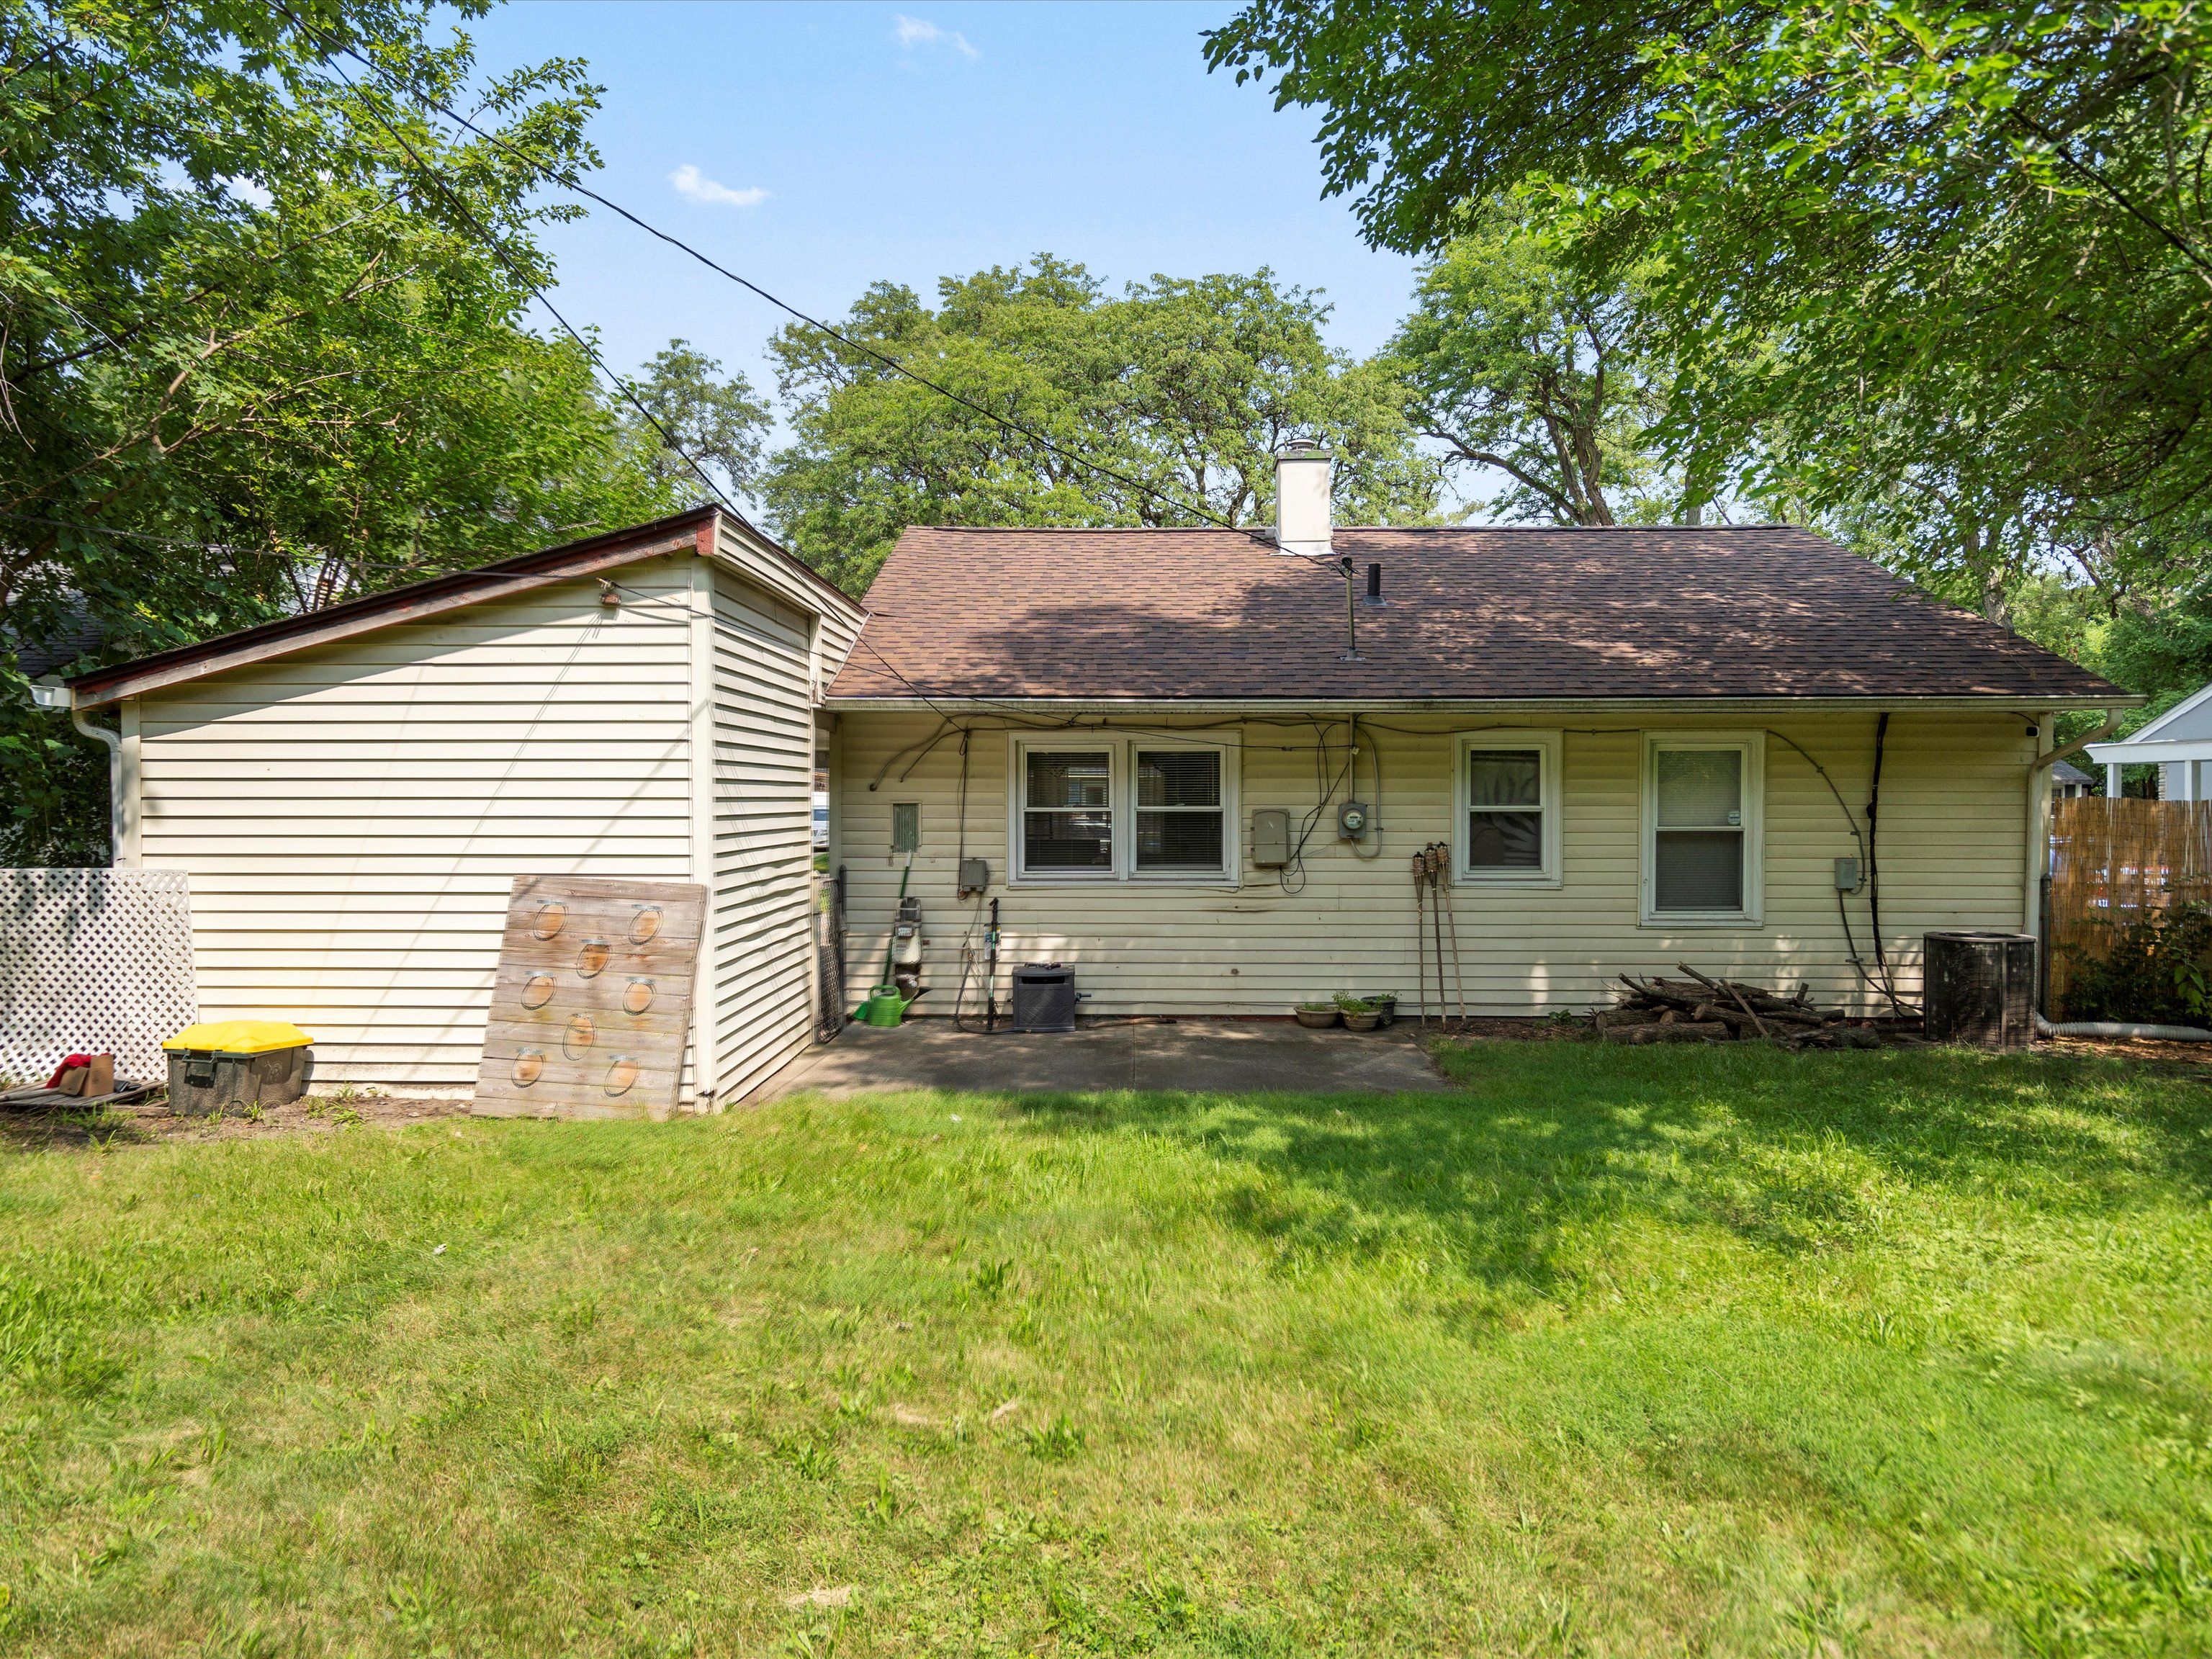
x: 763, y: 838
x: 1952, y: 847
x: 353, y: 816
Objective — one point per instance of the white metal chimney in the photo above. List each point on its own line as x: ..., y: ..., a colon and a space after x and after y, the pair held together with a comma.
x: 1303, y: 470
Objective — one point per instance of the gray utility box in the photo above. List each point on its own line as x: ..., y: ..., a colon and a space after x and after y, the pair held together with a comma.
x: 1980, y: 989
x: 208, y: 1080
x: 1271, y: 837
x: 1044, y: 998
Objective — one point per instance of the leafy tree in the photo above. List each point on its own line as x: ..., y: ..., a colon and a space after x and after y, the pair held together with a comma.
x: 1941, y: 266
x: 1162, y: 405
x: 261, y: 337
x: 718, y: 423
x: 1520, y: 363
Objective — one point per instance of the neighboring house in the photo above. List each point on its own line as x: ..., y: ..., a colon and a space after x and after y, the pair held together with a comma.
x: 1639, y: 747
x: 2179, y: 742
x: 2068, y: 781
x: 353, y: 791
x: 79, y: 638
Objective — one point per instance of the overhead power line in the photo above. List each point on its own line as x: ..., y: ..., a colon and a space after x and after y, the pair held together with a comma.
x: 232, y: 550
x: 498, y: 250
x: 567, y: 180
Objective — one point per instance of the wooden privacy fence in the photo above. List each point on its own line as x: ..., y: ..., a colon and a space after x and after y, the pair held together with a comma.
x: 2112, y: 862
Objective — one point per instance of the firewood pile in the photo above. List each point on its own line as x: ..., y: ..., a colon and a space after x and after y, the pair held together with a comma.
x: 1701, y: 1010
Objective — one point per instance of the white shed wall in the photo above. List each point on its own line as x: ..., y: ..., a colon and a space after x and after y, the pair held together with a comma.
x: 762, y: 834
x: 353, y: 816
x: 1953, y: 852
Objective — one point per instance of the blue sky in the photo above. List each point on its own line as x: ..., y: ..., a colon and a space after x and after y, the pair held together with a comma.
x: 816, y: 147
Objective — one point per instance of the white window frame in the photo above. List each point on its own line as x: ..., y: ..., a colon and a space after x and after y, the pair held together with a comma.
x: 1752, y: 745
x: 1121, y: 801
x: 1546, y: 744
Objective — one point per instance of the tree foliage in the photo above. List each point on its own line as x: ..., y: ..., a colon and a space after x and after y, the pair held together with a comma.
x: 1520, y: 363
x: 261, y: 333
x: 716, y: 424
x: 1161, y: 406
x: 1942, y: 269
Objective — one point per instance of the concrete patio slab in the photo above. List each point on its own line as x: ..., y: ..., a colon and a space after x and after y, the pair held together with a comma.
x: 1225, y: 1056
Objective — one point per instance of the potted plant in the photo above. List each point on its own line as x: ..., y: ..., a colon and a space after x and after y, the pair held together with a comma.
x: 1385, y: 1004
x: 1316, y: 1014
x: 1359, y: 1014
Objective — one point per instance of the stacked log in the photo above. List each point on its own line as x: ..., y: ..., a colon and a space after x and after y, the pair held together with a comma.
x: 1696, y: 1009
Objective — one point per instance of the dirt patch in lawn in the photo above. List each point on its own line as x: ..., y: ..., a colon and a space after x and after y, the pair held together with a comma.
x: 2192, y: 1056
x: 2183, y: 1054
x: 37, y: 1128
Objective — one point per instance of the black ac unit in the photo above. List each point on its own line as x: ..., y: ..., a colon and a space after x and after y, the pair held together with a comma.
x: 1044, y: 998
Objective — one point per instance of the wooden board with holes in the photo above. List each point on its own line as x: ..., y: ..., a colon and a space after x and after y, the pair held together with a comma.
x: 593, y: 999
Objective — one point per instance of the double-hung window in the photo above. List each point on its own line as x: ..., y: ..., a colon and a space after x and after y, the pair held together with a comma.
x: 1508, y: 800
x: 1067, y: 812
x: 1179, y: 811
x: 1089, y: 808
x: 1702, y: 797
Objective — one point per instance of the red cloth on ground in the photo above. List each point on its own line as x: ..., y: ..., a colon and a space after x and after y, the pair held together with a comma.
x: 55, y: 1081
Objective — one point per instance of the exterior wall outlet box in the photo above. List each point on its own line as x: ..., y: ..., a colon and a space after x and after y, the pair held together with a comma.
x: 1847, y: 875
x: 1271, y: 837
x: 975, y: 875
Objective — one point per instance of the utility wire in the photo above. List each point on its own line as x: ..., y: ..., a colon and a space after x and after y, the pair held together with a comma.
x: 235, y: 550
x: 567, y: 181
x: 498, y: 249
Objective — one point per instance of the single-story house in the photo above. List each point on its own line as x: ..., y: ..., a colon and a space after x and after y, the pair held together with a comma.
x: 1194, y: 765
x: 353, y: 791
x: 2179, y: 742
x: 2068, y: 781
x: 1636, y: 747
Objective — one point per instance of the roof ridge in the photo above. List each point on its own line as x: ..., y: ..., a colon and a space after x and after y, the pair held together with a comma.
x: 1395, y: 529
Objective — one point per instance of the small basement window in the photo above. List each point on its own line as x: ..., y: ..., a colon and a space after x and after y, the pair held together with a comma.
x: 1507, y: 791
x: 1120, y: 808
x: 1702, y: 799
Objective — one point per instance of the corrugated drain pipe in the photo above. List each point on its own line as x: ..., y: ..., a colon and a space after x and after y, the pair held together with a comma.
x: 2113, y: 1028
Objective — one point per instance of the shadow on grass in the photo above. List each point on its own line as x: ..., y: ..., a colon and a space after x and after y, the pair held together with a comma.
x: 1791, y: 1152
x: 42, y: 1128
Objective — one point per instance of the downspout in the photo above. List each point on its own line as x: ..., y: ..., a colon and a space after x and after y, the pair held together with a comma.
x: 2115, y: 1028
x: 57, y: 698
x: 1874, y: 865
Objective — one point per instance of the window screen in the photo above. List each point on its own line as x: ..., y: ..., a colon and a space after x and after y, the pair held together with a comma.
x: 1067, y: 821
x: 1698, y: 849
x: 1179, y: 811
x: 1505, y: 809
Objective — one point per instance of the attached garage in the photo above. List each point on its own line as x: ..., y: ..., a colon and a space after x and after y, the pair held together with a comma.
x: 354, y: 791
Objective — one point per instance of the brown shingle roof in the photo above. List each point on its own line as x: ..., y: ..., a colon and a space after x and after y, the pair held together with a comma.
x: 1764, y: 611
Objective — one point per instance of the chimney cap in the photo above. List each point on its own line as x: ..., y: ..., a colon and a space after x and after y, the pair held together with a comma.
x: 1304, y: 449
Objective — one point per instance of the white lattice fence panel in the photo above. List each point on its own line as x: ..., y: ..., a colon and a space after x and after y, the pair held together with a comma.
x: 94, y: 960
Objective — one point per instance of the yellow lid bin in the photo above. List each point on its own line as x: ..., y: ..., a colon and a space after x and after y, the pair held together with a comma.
x: 238, y: 1062
x: 238, y: 1036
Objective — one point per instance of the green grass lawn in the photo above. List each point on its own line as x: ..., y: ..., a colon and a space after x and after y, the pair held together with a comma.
x: 1613, y: 1350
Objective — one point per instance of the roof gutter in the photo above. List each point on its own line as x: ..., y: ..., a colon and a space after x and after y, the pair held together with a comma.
x: 2007, y: 701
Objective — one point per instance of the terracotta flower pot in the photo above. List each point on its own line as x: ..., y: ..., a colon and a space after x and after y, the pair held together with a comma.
x: 1367, y: 1022
x: 1315, y: 1018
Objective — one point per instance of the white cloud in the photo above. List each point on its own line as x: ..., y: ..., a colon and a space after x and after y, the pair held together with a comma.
x: 914, y: 32
x: 692, y: 183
